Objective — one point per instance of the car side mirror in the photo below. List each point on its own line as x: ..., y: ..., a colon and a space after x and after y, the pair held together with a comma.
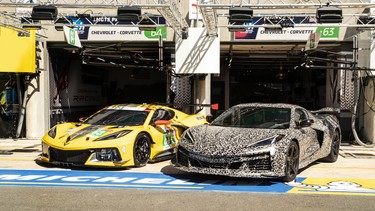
x: 306, y: 123
x: 210, y: 118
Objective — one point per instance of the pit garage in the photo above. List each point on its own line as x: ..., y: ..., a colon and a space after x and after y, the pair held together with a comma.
x: 279, y: 58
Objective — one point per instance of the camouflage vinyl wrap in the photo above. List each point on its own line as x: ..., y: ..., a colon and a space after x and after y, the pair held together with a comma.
x: 246, y: 152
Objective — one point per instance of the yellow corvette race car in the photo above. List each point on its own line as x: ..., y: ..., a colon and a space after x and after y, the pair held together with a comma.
x: 118, y: 136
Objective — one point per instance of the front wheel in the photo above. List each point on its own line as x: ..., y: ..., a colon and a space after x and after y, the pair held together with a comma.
x: 291, y: 162
x: 142, y: 150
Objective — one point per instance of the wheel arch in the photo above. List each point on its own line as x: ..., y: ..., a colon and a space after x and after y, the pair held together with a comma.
x: 299, y: 147
x: 149, y: 136
x: 297, y: 142
x: 338, y: 130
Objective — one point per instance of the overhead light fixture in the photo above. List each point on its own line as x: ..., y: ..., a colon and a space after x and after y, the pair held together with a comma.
x: 129, y: 14
x: 272, y: 23
x: 240, y: 15
x: 286, y: 24
x: 273, y: 20
x: 83, y: 15
x: 185, y: 33
x: 237, y: 28
x: 329, y: 14
x: 44, y: 12
x: 28, y: 23
x: 366, y: 20
x: 61, y: 21
x: 238, y: 18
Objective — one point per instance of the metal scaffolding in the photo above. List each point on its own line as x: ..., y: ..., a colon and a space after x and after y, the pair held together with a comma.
x: 211, y: 11
x: 169, y: 9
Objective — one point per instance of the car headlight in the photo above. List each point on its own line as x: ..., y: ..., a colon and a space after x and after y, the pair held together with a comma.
x: 114, y: 135
x: 268, y: 141
x: 109, y: 154
x: 45, y: 149
x: 188, y: 137
x: 52, y: 132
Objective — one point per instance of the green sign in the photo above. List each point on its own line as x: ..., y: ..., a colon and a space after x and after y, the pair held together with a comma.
x: 159, y: 31
x: 71, y: 36
x: 328, y: 32
x: 72, y: 39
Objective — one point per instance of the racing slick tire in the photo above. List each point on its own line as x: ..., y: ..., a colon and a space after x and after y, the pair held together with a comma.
x: 142, y: 150
x: 291, y: 162
x: 335, y: 148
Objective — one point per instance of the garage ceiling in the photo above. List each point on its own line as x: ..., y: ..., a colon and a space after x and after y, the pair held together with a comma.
x: 240, y: 56
x: 237, y: 56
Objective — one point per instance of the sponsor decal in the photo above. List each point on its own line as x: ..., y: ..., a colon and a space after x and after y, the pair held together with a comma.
x: 116, y: 179
x: 109, y: 179
x: 199, y: 117
x: 334, y: 186
x: 194, y: 13
x: 169, y: 137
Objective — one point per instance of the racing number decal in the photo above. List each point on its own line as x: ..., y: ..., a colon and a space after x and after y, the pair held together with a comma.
x: 98, y: 133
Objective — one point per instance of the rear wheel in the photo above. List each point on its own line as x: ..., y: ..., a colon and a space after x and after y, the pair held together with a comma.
x: 291, y: 162
x: 335, y: 148
x: 142, y: 150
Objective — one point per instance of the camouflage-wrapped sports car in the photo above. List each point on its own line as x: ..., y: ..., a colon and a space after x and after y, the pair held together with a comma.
x: 260, y: 141
x: 118, y: 136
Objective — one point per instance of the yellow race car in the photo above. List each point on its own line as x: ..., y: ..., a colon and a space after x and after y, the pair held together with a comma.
x: 118, y: 136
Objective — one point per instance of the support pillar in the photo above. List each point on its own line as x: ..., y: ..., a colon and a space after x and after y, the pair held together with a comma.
x: 37, y: 107
x: 203, y: 92
x: 366, y: 59
x: 369, y: 108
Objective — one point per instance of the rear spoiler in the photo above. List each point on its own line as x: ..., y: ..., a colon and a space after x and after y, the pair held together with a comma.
x: 326, y: 110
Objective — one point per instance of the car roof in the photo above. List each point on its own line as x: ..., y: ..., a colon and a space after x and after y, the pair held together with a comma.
x: 272, y: 105
x: 136, y: 106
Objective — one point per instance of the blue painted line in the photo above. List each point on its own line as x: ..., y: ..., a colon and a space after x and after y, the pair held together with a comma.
x: 121, y: 179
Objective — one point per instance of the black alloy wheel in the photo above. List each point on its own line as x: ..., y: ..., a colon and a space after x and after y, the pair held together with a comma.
x: 142, y: 150
x: 335, y: 148
x: 291, y: 162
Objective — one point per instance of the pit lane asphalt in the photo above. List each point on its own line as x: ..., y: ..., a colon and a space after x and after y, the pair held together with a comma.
x: 355, y: 165
x: 353, y: 162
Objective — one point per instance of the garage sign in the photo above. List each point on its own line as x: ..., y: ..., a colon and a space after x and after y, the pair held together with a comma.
x: 288, y: 33
x: 110, y: 29
x: 123, y: 33
x: 71, y: 37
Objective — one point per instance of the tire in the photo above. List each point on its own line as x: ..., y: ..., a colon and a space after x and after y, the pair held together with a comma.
x: 291, y: 162
x: 142, y: 150
x: 335, y: 148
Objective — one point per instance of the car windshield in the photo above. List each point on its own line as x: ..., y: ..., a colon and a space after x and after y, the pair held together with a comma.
x: 118, y: 117
x: 255, y: 117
